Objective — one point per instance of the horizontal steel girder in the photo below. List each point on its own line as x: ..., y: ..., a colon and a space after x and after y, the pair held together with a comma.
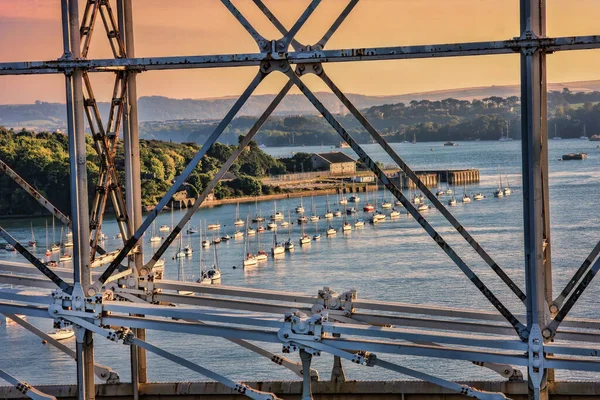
x: 511, y: 46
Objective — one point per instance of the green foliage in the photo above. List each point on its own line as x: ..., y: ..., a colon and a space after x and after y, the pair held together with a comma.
x: 42, y: 159
x: 246, y: 185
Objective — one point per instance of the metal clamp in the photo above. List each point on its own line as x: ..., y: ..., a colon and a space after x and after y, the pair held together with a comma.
x: 298, y: 326
x: 331, y: 300
x: 536, y: 368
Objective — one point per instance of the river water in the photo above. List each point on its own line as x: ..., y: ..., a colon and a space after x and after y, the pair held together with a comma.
x: 393, y: 261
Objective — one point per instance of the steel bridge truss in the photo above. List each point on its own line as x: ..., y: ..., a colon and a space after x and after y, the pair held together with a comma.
x: 121, y: 301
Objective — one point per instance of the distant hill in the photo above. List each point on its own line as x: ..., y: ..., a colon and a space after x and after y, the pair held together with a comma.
x: 44, y: 115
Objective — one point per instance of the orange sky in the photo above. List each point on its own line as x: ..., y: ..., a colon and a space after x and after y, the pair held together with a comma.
x: 30, y: 30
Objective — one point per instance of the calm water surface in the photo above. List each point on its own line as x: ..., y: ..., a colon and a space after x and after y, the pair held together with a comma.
x: 395, y: 261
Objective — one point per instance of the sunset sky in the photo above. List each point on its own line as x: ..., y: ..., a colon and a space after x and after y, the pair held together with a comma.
x: 31, y: 30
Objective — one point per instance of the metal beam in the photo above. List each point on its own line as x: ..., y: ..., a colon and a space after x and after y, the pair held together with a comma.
x: 511, y: 46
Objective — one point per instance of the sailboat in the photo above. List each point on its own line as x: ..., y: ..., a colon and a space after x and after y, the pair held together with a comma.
x: 300, y: 207
x: 466, y: 198
x: 346, y: 226
x: 368, y: 207
x: 65, y: 256
x: 478, y: 196
x: 385, y: 203
x: 584, y: 136
x: 62, y: 333
x: 394, y: 213
x: 423, y: 207
x: 507, y: 189
x: 238, y: 221
x: 343, y: 200
x: 188, y: 248
x: 314, y: 217
x: 440, y: 191
x: 249, y: 258
x: 272, y: 225
x: 154, y: 237
x: 317, y: 235
x: 556, y: 137
x: 331, y: 231
x: 304, y: 239
x: 277, y: 216
x: 499, y: 192
x: 261, y: 255
x: 258, y: 217
x: 277, y: 248
x: 328, y: 213
x: 289, y: 244
x: 32, y: 242
x: 55, y: 246
x: 180, y: 252
x: 452, y: 201
x: 48, y: 251
x: 213, y: 275
x: 507, y: 138
x: 69, y: 238
x: 203, y: 280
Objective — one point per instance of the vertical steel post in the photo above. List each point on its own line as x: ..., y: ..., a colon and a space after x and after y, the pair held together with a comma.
x: 133, y: 186
x: 534, y: 144
x: 79, y: 193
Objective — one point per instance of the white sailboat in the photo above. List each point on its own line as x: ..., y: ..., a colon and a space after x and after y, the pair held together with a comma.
x: 394, y: 213
x: 304, y: 238
x: 277, y: 216
x: 154, y: 237
x: 180, y: 252
x: 62, y: 333
x: 452, y: 201
x: 466, y: 198
x: 261, y: 255
x: 507, y: 189
x: 584, y: 136
x: 48, y: 251
x: 478, y: 196
x: 314, y: 217
x: 556, y: 137
x: 346, y: 227
x: 328, y: 212
x: 278, y: 248
x: 32, y: 242
x: 211, y: 276
x: 238, y: 221
x: 300, y: 207
x: 385, y: 204
x: 55, y: 246
x: 289, y: 244
x: 499, y: 192
x: 249, y: 258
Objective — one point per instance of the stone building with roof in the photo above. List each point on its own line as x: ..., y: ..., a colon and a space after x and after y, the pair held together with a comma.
x: 337, y: 163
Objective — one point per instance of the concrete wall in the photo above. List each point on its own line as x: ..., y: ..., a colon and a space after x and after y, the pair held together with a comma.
x: 342, y: 168
x: 351, y: 390
x: 336, y: 168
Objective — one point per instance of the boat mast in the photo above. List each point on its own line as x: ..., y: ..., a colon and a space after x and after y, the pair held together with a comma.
x: 201, y: 269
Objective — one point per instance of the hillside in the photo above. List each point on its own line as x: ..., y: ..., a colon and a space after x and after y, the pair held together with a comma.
x: 41, y: 115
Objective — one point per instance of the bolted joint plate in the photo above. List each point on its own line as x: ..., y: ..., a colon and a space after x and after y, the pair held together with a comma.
x: 269, y: 65
x: 536, y: 369
x: 299, y: 327
x: 312, y: 68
